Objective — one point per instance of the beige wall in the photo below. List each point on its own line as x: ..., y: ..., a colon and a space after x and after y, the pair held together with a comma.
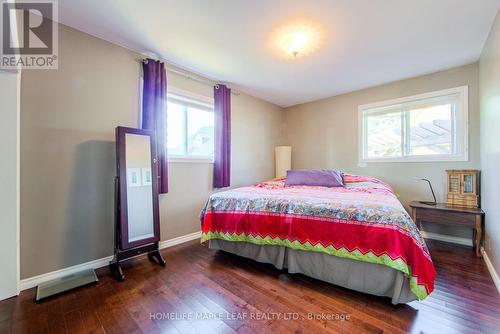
x: 324, y: 134
x: 489, y: 74
x: 68, y: 118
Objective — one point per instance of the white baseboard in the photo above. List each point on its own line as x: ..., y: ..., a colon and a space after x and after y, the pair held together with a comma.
x: 491, y: 269
x: 180, y: 240
x: 447, y: 238
x: 31, y: 282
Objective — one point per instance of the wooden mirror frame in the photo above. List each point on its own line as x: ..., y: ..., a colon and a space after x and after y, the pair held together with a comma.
x: 123, y: 248
x: 121, y: 171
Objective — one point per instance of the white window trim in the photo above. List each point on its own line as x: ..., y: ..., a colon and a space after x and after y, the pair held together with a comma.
x: 462, y: 129
x: 174, y: 91
x: 209, y: 102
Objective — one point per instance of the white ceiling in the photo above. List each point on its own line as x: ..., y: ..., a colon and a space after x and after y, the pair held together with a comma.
x: 365, y: 42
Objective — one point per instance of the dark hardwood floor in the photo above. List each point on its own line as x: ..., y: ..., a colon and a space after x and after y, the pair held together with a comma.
x: 244, y: 296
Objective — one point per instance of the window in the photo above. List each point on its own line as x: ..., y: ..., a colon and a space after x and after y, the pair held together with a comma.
x: 426, y: 127
x: 190, y: 126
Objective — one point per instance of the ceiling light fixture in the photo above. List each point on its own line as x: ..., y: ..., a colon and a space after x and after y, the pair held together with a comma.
x: 296, y: 39
x: 298, y: 42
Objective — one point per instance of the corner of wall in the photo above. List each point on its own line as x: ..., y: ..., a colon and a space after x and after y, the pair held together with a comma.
x: 489, y: 105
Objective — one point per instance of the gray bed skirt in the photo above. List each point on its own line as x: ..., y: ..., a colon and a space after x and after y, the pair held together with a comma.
x: 372, y: 278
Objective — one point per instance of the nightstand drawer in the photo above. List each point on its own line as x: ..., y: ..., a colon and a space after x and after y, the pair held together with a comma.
x: 445, y: 217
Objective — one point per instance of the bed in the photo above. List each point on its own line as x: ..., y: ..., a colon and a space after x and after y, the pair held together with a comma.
x: 358, y: 236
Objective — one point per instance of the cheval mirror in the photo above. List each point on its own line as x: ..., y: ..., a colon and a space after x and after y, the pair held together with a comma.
x: 137, y: 218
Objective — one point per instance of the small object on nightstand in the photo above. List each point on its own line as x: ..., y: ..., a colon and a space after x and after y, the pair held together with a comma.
x: 463, y: 188
x: 432, y: 191
x: 451, y: 215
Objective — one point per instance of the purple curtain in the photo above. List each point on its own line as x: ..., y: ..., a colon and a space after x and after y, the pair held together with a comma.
x: 222, y: 163
x: 154, y: 113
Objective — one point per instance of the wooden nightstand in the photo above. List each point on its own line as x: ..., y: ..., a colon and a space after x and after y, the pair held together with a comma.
x: 450, y: 215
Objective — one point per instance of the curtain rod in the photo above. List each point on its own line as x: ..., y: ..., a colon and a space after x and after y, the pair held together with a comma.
x: 190, y: 77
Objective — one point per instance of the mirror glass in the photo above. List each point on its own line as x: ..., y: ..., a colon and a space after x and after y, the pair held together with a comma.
x: 139, y: 187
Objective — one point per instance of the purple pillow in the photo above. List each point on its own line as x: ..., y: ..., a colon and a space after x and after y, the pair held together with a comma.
x: 315, y: 177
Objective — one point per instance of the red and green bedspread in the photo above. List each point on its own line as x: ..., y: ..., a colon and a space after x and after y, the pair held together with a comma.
x: 362, y: 221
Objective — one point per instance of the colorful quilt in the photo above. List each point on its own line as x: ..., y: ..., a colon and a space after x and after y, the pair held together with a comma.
x: 362, y: 221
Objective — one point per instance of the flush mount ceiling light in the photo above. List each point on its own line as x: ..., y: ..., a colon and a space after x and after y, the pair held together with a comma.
x: 296, y: 39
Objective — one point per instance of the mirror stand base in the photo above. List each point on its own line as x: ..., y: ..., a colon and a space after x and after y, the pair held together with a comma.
x: 116, y: 271
x: 152, y: 250
x: 155, y: 256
